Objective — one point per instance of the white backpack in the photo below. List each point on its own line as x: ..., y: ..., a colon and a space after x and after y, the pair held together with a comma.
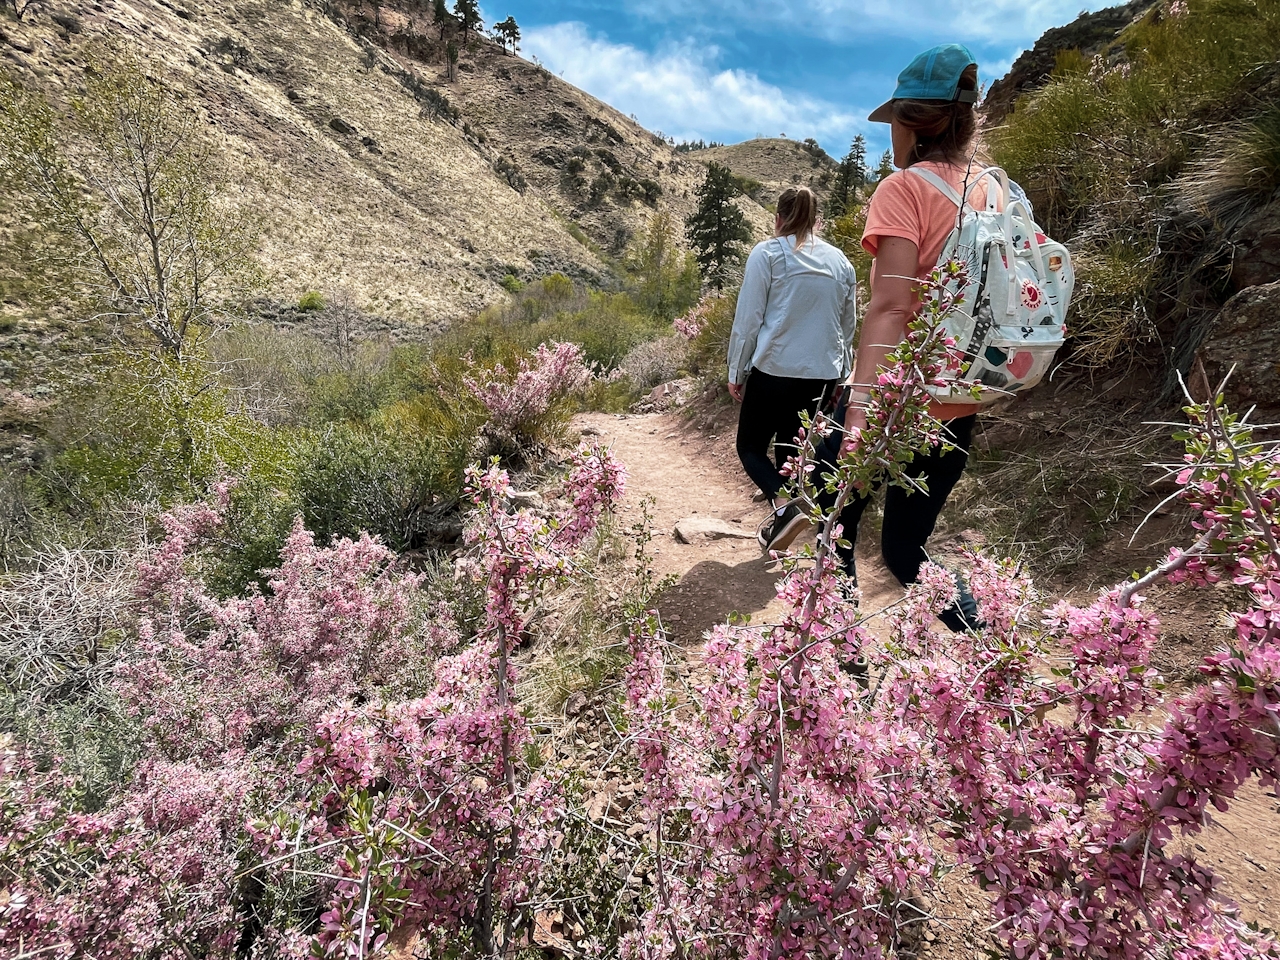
x: 1011, y: 319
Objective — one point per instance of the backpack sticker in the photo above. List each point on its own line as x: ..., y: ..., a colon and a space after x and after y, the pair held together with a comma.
x: 1020, y: 364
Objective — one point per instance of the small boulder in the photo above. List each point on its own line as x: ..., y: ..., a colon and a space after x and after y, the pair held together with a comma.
x: 341, y: 126
x: 1257, y: 249
x: 528, y: 499
x: 692, y: 529
x: 1246, y: 334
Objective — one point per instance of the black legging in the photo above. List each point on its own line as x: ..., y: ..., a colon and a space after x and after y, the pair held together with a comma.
x: 910, y: 516
x: 771, y: 409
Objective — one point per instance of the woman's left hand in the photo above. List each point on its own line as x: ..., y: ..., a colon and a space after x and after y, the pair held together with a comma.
x: 738, y: 391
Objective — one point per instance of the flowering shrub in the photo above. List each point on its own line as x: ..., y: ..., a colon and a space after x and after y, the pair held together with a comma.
x: 299, y: 752
x: 526, y: 406
x: 693, y: 322
x: 794, y: 813
x: 433, y: 802
x: 802, y: 817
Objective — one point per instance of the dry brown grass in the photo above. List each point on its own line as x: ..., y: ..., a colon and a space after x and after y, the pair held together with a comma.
x: 415, y: 225
x: 776, y: 163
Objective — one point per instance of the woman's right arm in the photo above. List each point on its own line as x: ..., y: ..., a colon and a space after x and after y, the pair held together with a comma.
x: 893, y: 304
x: 753, y: 298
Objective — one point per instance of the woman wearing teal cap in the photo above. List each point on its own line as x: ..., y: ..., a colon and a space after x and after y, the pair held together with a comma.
x: 933, y: 123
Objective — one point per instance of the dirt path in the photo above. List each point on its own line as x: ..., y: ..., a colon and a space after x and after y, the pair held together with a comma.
x: 691, y: 474
x: 686, y: 472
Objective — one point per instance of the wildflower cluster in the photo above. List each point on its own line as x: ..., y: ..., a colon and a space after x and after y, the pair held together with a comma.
x: 321, y: 761
x: 521, y: 403
x: 795, y: 812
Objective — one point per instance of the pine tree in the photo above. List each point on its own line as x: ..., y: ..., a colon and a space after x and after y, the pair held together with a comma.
x: 717, y: 229
x: 440, y: 15
x: 507, y: 32
x: 468, y: 14
x: 850, y: 177
x: 886, y: 166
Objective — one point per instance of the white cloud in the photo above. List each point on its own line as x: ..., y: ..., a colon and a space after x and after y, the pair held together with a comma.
x: 1001, y: 23
x: 681, y: 91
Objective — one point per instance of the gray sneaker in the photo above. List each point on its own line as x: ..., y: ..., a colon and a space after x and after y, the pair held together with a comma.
x: 780, y: 529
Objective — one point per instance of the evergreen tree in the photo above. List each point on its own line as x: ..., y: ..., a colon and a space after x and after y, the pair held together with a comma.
x: 507, y: 32
x: 850, y: 177
x: 440, y: 15
x: 468, y: 14
x: 717, y: 229
x: 886, y: 166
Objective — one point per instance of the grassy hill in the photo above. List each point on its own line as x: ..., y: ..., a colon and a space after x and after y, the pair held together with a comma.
x: 774, y: 163
x: 383, y: 185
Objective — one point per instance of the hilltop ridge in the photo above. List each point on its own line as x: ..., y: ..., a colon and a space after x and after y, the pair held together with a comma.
x: 774, y: 163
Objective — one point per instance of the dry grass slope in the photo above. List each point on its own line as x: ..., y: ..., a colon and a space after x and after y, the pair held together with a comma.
x: 776, y: 163
x: 367, y: 197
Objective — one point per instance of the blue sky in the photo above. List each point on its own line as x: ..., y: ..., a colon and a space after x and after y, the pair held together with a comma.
x: 731, y: 69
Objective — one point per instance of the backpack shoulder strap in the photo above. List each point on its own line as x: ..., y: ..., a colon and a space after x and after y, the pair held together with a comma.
x: 935, y: 181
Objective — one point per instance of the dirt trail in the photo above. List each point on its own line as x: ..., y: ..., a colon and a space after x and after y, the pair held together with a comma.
x: 686, y: 472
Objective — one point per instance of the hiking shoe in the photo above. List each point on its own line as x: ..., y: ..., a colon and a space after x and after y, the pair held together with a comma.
x: 781, y: 528
x: 859, y: 669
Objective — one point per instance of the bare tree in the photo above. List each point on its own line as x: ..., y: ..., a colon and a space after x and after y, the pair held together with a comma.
x: 133, y: 210
x: 21, y: 8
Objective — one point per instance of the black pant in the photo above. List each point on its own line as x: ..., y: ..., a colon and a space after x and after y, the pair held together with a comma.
x: 771, y: 409
x: 910, y: 516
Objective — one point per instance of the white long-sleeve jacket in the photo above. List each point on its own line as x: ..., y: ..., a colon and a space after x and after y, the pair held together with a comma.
x: 797, y: 312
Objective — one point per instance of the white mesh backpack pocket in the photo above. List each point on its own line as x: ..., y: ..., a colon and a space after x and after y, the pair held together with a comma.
x: 1011, y: 318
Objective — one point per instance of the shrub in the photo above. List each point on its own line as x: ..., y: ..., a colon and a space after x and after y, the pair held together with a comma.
x: 255, y: 714
x: 529, y: 406
x: 557, y: 287
x: 154, y: 431
x: 709, y: 346
x: 511, y: 283
x: 656, y: 361
x: 385, y: 480
x: 311, y: 301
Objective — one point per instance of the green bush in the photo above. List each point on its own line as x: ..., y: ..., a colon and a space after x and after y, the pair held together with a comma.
x: 311, y: 301
x: 385, y: 481
x: 152, y: 431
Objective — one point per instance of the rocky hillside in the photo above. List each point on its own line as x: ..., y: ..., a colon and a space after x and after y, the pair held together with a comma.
x: 1090, y: 33
x: 383, y: 184
x: 774, y: 164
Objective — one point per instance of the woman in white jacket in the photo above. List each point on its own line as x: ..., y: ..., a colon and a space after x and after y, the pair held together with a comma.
x: 792, y: 342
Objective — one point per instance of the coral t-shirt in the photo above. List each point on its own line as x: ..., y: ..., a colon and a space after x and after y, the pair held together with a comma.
x: 907, y: 206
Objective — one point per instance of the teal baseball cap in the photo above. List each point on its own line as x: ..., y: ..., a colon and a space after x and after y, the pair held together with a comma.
x: 934, y: 75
